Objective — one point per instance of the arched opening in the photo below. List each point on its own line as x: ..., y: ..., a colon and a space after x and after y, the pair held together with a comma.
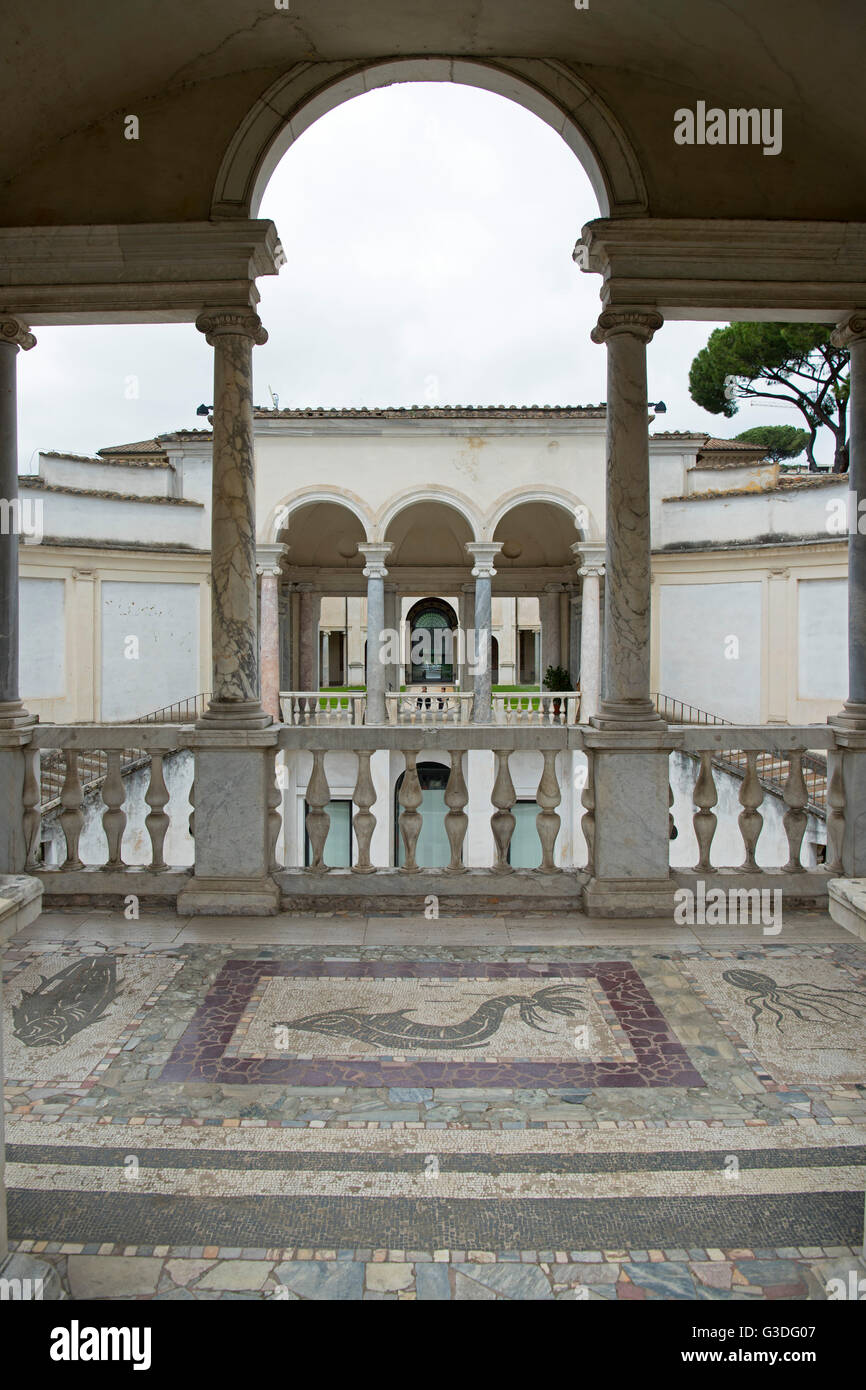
x: 432, y: 850
x: 551, y: 91
x: 432, y: 626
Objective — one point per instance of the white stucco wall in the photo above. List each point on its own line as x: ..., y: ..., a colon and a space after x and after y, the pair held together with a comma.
x: 699, y: 623
x: 163, y: 621
x: 42, y: 638
x: 822, y: 638
x: 87, y: 519
x: 136, y: 480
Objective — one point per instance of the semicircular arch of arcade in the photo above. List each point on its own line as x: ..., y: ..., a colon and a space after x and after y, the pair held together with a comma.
x: 535, y: 533
x: 322, y: 531
x: 432, y: 530
x: 547, y: 88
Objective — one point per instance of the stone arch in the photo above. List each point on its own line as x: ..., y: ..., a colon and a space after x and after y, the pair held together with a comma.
x: 442, y: 497
x: 546, y: 87
x: 282, y: 512
x: 585, y: 523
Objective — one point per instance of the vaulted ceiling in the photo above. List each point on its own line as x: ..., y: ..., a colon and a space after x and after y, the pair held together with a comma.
x: 72, y: 70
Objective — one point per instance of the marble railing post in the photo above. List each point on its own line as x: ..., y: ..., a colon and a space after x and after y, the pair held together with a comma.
x: 268, y: 568
x: 375, y: 573
x: 480, y: 651
x: 590, y: 571
x: 850, y: 723
x: 235, y: 739
x: 629, y: 742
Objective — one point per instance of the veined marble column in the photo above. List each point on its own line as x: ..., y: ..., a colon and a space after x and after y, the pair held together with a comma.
x: 375, y: 573
x: 268, y: 567
x: 626, y: 703
x: 590, y: 573
x: 551, y: 647
x: 850, y: 723
x: 479, y: 650
x: 575, y: 601
x: 284, y: 617
x: 235, y: 701
x: 392, y: 624
x: 308, y: 637
x: 465, y: 611
x: 14, y: 335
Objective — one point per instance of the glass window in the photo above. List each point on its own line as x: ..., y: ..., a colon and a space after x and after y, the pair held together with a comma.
x: 525, y: 849
x: 432, y: 850
x: 338, y: 845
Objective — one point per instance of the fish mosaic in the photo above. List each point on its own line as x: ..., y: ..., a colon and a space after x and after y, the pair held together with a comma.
x: 66, y: 1003
x: 397, y: 1029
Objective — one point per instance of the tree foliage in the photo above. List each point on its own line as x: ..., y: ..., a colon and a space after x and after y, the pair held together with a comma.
x: 778, y: 441
x: 793, y: 362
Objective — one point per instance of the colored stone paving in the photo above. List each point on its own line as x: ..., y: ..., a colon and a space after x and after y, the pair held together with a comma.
x: 220, y: 1118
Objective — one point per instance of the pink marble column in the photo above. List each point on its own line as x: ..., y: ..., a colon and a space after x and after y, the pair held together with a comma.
x: 268, y: 567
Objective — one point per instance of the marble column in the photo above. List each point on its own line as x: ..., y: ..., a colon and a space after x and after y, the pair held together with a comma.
x: 393, y: 670
x: 465, y: 612
x: 235, y: 701
x: 850, y: 723
x: 627, y: 743
x: 268, y: 568
x: 308, y: 636
x: 14, y: 335
x: 479, y: 650
x: 626, y: 703
x: 15, y: 722
x: 551, y: 648
x: 284, y: 618
x: 235, y: 741
x: 590, y: 572
x: 575, y: 601
x: 375, y: 573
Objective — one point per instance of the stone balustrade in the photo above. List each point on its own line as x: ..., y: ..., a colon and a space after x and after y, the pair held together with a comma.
x: 574, y: 775
x: 322, y: 707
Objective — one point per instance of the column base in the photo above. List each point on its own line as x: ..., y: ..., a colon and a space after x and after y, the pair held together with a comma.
x: 13, y: 715
x: 235, y: 714
x: 627, y: 714
x: 629, y: 897
x: 851, y: 716
x: 229, y: 897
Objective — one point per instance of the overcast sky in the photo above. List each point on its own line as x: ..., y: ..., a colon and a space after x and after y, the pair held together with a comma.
x: 429, y: 230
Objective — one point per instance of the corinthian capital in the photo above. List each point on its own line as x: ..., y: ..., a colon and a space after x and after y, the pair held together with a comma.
x: 850, y: 330
x: 216, y: 323
x: 12, y: 330
x: 640, y: 323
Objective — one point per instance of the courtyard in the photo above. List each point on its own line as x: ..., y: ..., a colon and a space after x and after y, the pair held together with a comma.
x: 514, y: 1107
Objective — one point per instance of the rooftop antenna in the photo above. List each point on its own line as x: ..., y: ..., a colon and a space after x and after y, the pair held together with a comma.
x: 274, y: 398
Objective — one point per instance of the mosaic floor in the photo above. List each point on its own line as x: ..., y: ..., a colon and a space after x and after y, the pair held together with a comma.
x: 448, y: 1113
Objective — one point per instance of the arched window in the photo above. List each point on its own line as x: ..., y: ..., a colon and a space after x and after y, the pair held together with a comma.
x: 432, y: 626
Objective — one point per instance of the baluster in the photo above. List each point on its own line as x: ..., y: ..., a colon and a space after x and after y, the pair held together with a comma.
x: 364, y: 822
x: 71, y: 815
x: 273, y: 802
x: 704, y: 820
x: 156, y: 821
x: 587, y: 820
x: 548, y: 822
x: 456, y: 820
x: 318, y: 821
x: 191, y: 821
x: 835, y: 814
x: 410, y: 798
x: 502, y: 822
x: 114, y: 817
x: 795, y: 818
x: 750, y: 819
x: 32, y: 818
